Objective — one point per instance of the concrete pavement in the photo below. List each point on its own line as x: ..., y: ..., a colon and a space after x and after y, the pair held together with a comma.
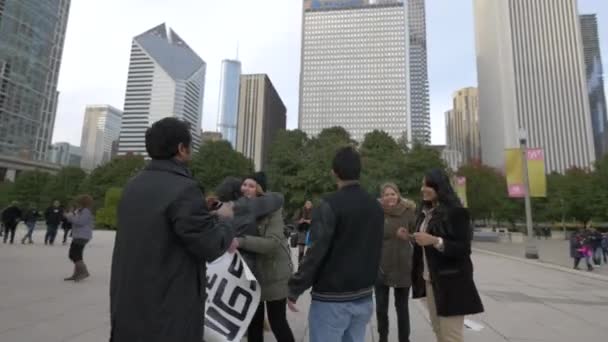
x: 523, y: 302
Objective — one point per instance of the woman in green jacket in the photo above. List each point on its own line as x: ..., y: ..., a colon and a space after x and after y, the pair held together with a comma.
x: 274, y: 267
x: 396, y: 264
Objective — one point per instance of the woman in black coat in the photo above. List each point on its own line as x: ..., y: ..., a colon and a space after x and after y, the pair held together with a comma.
x: 442, y: 268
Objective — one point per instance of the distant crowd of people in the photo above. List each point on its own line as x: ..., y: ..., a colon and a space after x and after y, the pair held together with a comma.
x: 77, y: 222
x: 350, y: 246
x: 590, y: 245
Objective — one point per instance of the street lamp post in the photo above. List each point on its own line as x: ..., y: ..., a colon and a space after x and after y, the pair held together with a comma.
x: 531, y: 248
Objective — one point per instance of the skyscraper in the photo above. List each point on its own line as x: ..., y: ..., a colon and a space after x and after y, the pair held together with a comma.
x: 65, y: 154
x: 166, y: 79
x: 419, y: 78
x: 100, y: 132
x: 595, y: 83
x: 229, y: 100
x: 463, y: 125
x: 261, y: 116
x: 531, y: 76
x: 32, y: 33
x: 355, y: 67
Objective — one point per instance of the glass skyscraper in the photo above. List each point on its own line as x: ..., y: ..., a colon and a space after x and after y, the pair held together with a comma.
x: 100, y: 131
x: 229, y: 100
x: 595, y: 83
x: 166, y: 79
x: 355, y: 67
x: 32, y: 34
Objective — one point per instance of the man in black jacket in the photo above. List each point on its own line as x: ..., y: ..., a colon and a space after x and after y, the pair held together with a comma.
x: 343, y: 260
x: 164, y: 238
x: 10, y: 218
x: 53, y: 216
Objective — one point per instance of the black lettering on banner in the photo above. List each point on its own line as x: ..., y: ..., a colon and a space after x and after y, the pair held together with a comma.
x: 226, y: 328
x: 236, y: 267
x: 229, y: 308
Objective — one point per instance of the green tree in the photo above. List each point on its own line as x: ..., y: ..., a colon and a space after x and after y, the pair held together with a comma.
x: 286, y: 159
x: 486, y: 191
x: 580, y: 195
x: 64, y: 185
x: 106, y: 217
x: 217, y: 160
x: 116, y: 173
x: 6, y: 190
x: 418, y: 161
x: 383, y: 160
x: 28, y: 188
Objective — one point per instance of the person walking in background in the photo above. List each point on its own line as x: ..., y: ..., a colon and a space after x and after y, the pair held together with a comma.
x: 10, y: 219
x: 605, y: 247
x: 595, y: 244
x: 343, y: 260
x: 303, y: 218
x: 165, y: 237
x: 396, y: 265
x: 30, y: 218
x: 82, y: 221
x: 273, y: 267
x: 579, y: 249
x: 53, y: 216
x: 66, y: 225
x: 442, y: 267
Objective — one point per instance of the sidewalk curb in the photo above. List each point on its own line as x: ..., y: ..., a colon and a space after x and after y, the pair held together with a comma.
x: 544, y: 264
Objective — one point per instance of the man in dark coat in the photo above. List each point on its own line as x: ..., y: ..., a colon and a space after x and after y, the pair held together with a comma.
x: 53, y: 216
x: 165, y: 235
x: 10, y: 218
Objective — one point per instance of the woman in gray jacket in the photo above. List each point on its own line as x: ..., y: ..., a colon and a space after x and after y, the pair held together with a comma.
x: 82, y: 232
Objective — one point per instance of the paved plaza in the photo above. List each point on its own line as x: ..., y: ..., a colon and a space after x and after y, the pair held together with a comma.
x: 524, y: 302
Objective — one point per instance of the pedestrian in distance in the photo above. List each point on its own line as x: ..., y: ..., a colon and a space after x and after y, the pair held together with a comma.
x: 82, y: 221
x: 165, y: 237
x: 10, y: 219
x: 342, y: 262
x: 66, y: 225
x: 30, y: 218
x: 396, y: 265
x: 442, y: 267
x: 53, y: 216
x: 303, y: 218
x: 273, y: 266
x: 579, y: 249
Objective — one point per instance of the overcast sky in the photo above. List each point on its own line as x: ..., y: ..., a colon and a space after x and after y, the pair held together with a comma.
x: 99, y: 34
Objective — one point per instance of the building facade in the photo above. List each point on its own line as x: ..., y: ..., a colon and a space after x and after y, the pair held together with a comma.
x: 531, y: 78
x: 355, y: 67
x: 595, y: 83
x: 100, y: 132
x: 65, y: 154
x: 419, y: 77
x: 210, y: 137
x: 32, y: 34
x: 462, y: 125
x: 229, y: 100
x: 261, y: 115
x: 166, y: 79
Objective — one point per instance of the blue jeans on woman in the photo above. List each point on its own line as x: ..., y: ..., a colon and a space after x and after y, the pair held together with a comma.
x: 51, y: 233
x: 340, y: 321
x: 30, y: 231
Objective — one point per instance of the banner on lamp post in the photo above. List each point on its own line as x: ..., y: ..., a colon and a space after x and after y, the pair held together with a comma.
x: 461, y: 190
x: 536, y: 173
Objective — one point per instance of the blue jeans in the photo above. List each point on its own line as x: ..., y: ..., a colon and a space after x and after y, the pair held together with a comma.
x: 340, y: 322
x: 30, y: 230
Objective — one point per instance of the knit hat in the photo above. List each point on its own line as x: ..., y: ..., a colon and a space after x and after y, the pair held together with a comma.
x: 229, y: 190
x: 260, y: 178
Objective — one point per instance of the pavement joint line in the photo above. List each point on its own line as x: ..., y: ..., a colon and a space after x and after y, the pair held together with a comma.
x: 544, y: 264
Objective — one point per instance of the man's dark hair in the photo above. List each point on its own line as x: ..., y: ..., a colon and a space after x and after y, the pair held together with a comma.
x: 164, y: 137
x: 347, y: 164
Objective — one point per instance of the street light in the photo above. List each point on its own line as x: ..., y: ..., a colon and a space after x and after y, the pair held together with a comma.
x: 531, y: 248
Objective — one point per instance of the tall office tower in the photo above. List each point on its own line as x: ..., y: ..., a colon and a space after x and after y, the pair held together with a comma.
x: 261, y: 115
x: 595, y: 83
x: 229, y: 100
x: 419, y: 78
x: 531, y: 77
x: 65, y: 154
x: 32, y: 33
x: 100, y: 131
x: 355, y: 67
x: 166, y: 79
x: 463, y: 125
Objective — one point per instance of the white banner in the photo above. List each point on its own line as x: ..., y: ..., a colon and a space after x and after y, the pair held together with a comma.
x: 233, y: 295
